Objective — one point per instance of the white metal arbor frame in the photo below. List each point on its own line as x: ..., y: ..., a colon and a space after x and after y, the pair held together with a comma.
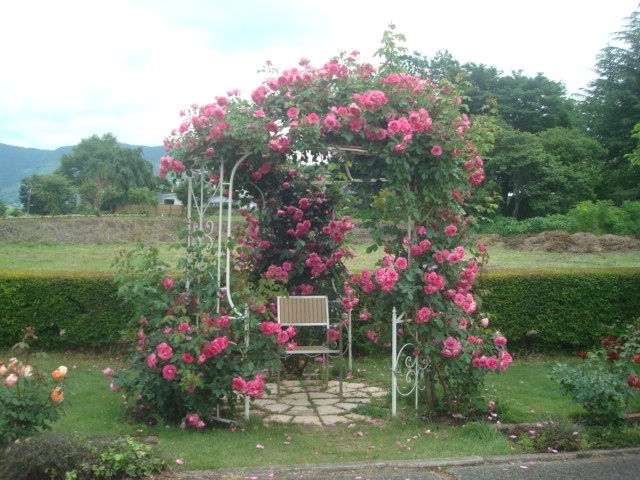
x: 200, y: 200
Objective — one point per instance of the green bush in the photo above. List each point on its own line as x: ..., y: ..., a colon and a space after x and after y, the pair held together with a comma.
x: 601, y: 217
x: 606, y: 381
x: 509, y: 226
x: 63, y: 456
x: 604, y: 217
x: 67, y: 310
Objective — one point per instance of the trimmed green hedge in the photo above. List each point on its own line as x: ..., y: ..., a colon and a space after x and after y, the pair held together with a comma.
x: 68, y: 311
x: 537, y: 311
x: 546, y: 311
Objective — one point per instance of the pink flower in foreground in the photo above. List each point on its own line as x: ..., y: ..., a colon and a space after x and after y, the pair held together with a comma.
x: 11, y: 380
x: 492, y: 363
x: 269, y: 328
x: 169, y: 372
x: 371, y: 335
x: 187, y: 357
x: 334, y: 335
x: 401, y: 263
x: 436, y: 150
x: 450, y: 230
x: 239, y: 383
x: 168, y: 283
x: 423, y: 315
x: 164, y: 351
x: 500, y: 341
x: 152, y: 361
x: 108, y: 372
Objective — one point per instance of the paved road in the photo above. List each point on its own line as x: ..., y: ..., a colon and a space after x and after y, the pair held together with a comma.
x: 610, y: 465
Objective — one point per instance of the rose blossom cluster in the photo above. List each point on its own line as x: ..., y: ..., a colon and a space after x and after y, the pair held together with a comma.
x: 284, y: 335
x: 253, y: 388
x: 204, y: 125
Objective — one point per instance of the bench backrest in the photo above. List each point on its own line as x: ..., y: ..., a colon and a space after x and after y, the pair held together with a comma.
x: 303, y: 311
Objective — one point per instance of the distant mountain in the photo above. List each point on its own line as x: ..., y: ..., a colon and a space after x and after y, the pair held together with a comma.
x: 17, y: 163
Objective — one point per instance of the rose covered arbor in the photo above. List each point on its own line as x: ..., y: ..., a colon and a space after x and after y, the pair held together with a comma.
x: 204, y: 335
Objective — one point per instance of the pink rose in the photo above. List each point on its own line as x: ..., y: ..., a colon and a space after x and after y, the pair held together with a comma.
x: 11, y: 380
x: 401, y: 263
x: 187, y: 357
x: 334, y: 335
x: 168, y: 283
x: 164, y: 351
x: 450, y: 230
x: 108, y: 372
x: 169, y: 372
x: 492, y: 363
x: 500, y: 341
x: 239, y: 384
x: 152, y: 361
x: 436, y: 150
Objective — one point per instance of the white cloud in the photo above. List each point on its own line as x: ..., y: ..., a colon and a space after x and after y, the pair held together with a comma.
x: 74, y: 68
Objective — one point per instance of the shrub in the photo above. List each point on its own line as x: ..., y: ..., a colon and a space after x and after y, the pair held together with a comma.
x: 550, y: 436
x: 600, y: 217
x: 47, y: 457
x: 606, y: 380
x: 64, y: 456
x: 67, y: 310
x: 547, y: 311
x: 509, y: 226
x: 29, y: 399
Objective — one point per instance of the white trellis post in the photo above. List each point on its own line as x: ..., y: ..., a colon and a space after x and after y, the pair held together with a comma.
x: 415, y: 369
x: 199, y: 199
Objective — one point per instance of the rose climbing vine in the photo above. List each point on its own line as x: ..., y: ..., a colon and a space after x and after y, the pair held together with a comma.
x: 409, y: 134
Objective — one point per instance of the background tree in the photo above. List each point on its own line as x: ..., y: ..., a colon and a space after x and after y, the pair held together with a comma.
x: 519, y: 170
x: 532, y: 104
x: 47, y: 194
x: 577, y: 165
x: 142, y: 196
x: 105, y: 172
x: 611, y: 108
x: 634, y: 156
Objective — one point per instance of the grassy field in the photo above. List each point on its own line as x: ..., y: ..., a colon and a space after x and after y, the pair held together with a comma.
x: 65, y: 257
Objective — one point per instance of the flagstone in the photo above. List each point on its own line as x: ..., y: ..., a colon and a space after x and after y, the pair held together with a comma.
x: 306, y: 420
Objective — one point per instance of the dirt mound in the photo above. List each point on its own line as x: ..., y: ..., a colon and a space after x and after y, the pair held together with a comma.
x: 559, y: 241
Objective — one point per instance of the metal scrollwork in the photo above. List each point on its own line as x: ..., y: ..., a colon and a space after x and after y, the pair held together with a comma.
x: 414, y: 367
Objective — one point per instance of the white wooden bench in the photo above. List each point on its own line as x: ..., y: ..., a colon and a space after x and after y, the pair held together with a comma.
x: 310, y: 311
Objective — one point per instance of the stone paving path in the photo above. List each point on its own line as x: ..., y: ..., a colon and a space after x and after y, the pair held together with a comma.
x: 308, y: 403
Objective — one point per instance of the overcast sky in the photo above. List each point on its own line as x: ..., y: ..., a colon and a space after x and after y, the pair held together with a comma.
x: 70, y: 69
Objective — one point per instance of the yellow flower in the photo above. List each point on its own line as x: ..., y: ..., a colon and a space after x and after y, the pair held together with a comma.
x: 57, y: 395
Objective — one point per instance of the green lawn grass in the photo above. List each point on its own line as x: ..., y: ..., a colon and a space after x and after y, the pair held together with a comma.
x: 47, y: 257
x: 523, y: 392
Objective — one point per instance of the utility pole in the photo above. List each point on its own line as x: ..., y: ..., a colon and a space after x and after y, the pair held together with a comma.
x: 29, y: 187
